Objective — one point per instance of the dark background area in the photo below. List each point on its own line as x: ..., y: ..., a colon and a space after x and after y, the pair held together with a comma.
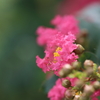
x: 20, y: 78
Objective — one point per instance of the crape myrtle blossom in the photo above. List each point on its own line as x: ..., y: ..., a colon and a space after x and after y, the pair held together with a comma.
x: 66, y: 24
x: 59, y: 43
x: 63, y: 25
x: 60, y: 49
x: 58, y: 91
x: 58, y: 52
x: 45, y: 34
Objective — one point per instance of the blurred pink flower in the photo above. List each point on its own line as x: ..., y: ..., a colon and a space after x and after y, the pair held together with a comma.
x: 95, y: 95
x: 63, y: 25
x: 59, y: 43
x: 45, y: 34
x: 58, y: 52
x: 58, y: 91
x: 73, y: 6
x: 66, y: 24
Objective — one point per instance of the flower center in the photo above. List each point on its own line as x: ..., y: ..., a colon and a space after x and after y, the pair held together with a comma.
x: 56, y: 54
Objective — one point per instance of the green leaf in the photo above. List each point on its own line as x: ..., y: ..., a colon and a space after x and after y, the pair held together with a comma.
x: 98, y: 97
x: 88, y: 55
x: 93, y: 44
x: 93, y: 34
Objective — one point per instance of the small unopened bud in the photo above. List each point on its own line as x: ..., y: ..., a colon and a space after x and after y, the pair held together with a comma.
x: 62, y: 73
x: 69, y: 94
x: 88, y: 63
x: 79, y: 49
x: 66, y: 83
x: 80, y: 84
x: 84, y: 97
x: 88, y: 90
x: 89, y: 71
x: 77, y: 97
x: 96, y: 85
x: 99, y: 69
x: 84, y: 33
x: 67, y: 69
x: 81, y: 38
x: 76, y: 65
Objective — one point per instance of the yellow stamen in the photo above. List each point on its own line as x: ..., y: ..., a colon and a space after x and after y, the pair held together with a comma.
x: 56, y: 54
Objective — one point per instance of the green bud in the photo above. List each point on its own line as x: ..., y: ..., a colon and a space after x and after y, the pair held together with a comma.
x: 96, y: 85
x: 69, y: 94
x: 62, y: 73
x: 80, y: 84
x: 77, y: 97
x: 84, y: 97
x: 99, y: 69
x: 88, y: 90
x: 79, y: 49
x: 67, y: 69
x: 94, y: 67
x: 89, y: 71
x: 88, y: 63
x: 66, y: 83
x: 76, y: 65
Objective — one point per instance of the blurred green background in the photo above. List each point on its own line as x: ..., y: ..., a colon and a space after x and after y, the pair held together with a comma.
x: 20, y: 78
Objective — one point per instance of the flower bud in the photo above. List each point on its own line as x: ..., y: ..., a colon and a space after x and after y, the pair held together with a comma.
x: 88, y: 90
x: 99, y: 69
x: 96, y: 85
x: 76, y: 97
x: 66, y: 83
x: 81, y: 38
x: 84, y: 97
x: 67, y: 99
x: 89, y: 71
x: 69, y: 94
x: 79, y: 84
x: 79, y: 49
x: 84, y: 33
x: 88, y: 63
x: 62, y: 73
x: 76, y: 65
x: 67, y: 69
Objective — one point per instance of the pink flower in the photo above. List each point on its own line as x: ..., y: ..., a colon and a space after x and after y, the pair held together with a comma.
x: 66, y: 24
x: 58, y: 42
x: 45, y: 34
x: 59, y: 51
x: 58, y: 91
x: 63, y: 25
x: 95, y: 95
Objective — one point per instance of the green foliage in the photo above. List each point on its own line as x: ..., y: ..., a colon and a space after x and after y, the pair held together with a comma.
x: 98, y: 97
x: 20, y: 78
x: 93, y: 44
x: 88, y: 55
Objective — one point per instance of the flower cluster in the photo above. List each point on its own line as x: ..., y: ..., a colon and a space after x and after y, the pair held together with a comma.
x: 58, y: 91
x: 86, y: 87
x: 61, y: 54
x: 59, y: 43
